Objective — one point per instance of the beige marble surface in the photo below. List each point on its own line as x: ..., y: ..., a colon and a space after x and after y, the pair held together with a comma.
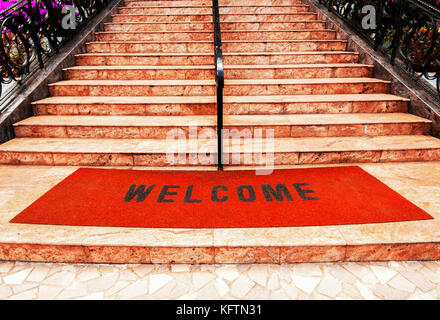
x: 335, y: 281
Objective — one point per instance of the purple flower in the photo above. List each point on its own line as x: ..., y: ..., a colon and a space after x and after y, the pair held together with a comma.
x: 6, y: 4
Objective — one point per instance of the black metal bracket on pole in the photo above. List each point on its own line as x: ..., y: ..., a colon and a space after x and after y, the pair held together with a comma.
x: 219, y: 80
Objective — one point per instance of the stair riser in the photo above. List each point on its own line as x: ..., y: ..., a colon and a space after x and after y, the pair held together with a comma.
x: 205, y: 90
x: 127, y: 109
x: 128, y: 3
x: 258, y: 2
x: 178, y: 36
x: 162, y: 18
x: 146, y: 61
x: 225, y: 26
x: 190, y: 74
x: 278, y: 17
x: 181, y: 47
x: 315, y: 107
x: 208, y: 10
x: 208, y: 59
x: 151, y: 160
x: 289, y: 59
x: 292, y: 89
x: 205, y: 36
x: 297, y: 73
x: 205, y: 47
x: 224, y: 18
x: 264, y: 9
x: 165, y: 10
x: 132, y: 90
x: 201, y: 74
x: 302, y: 158
x: 280, y: 131
x: 188, y: 3
x: 228, y: 108
x: 284, y: 46
x: 292, y: 35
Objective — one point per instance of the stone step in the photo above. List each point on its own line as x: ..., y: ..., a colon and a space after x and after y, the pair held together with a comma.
x: 129, y: 3
x: 258, y: 2
x: 207, y: 72
x: 155, y: 36
x: 165, y: 10
x: 175, y: 10
x: 158, y: 26
x: 283, y: 45
x: 208, y: 46
x: 240, y: 58
x: 160, y: 127
x: 263, y: 9
x: 207, y: 87
x: 297, y: 71
x: 208, y: 35
x: 162, y: 152
x: 206, y: 105
x: 160, y: 18
x: 273, y: 25
x: 207, y: 26
x: 251, y: 17
x: 316, y: 34
x: 189, y: 3
x: 114, y: 88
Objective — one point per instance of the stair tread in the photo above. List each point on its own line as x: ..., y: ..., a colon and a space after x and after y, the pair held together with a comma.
x: 211, y: 120
x: 220, y: 6
x: 304, y: 81
x: 133, y: 82
x: 141, y: 67
x: 256, y: 66
x: 204, y: 22
x: 143, y: 146
x: 212, y: 99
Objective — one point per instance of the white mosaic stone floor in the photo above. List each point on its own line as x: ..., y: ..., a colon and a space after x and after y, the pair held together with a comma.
x: 376, y: 280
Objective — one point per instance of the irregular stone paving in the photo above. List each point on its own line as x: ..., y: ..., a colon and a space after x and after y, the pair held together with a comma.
x: 376, y: 280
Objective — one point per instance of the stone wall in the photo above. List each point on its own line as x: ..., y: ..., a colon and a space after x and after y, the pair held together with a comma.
x: 36, y: 87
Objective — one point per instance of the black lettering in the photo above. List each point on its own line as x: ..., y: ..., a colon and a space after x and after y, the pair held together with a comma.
x: 164, y: 192
x: 140, y: 193
x: 270, y: 193
x: 188, y: 195
x: 302, y: 192
x: 250, y: 190
x: 214, y: 194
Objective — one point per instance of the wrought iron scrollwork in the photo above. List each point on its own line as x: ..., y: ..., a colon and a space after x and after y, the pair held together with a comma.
x: 407, y: 31
x: 32, y: 30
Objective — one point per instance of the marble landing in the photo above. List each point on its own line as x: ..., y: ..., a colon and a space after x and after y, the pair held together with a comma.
x: 419, y: 182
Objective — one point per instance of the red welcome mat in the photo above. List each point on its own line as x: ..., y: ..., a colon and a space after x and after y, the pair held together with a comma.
x: 225, y: 199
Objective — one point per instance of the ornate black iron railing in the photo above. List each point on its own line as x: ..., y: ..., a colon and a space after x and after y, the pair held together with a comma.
x: 219, y: 80
x: 32, y: 31
x: 407, y: 32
